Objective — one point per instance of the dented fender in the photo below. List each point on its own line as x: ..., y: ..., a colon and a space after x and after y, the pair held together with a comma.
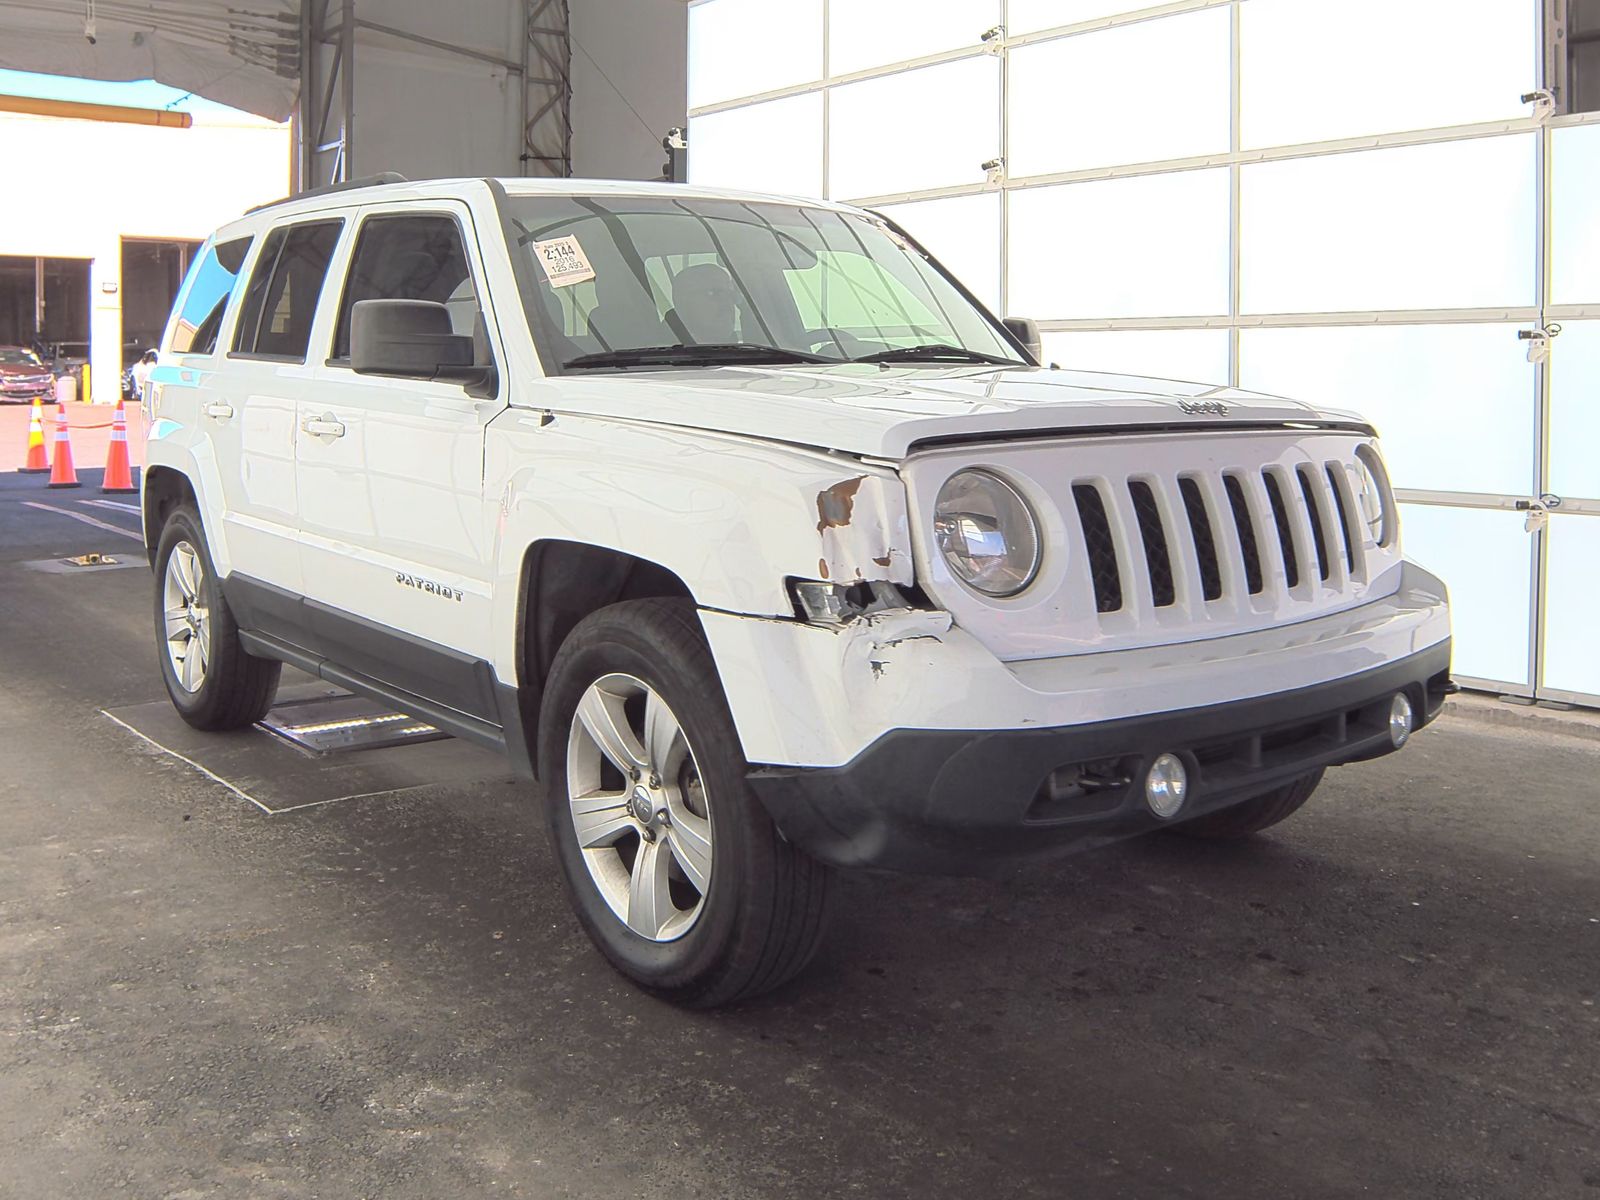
x: 732, y: 517
x: 844, y: 685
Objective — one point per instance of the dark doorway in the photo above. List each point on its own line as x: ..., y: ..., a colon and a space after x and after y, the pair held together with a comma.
x: 44, y: 303
x: 65, y: 319
x: 151, y: 275
x: 18, y: 311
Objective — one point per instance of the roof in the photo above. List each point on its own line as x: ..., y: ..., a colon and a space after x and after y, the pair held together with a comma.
x: 391, y: 187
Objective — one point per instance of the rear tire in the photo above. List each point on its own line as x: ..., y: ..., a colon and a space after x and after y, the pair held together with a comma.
x: 1252, y: 816
x: 213, y: 682
x: 652, y: 769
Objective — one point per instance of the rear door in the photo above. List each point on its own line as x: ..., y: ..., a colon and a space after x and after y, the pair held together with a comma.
x: 193, y: 407
x: 248, y: 408
x: 395, y: 537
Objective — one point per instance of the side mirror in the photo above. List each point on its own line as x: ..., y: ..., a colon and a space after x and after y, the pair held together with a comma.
x: 410, y: 338
x: 1025, y: 330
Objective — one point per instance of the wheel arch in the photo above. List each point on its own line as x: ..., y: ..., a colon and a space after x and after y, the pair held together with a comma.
x: 561, y: 583
x: 164, y: 489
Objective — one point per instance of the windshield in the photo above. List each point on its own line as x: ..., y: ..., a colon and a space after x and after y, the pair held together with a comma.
x: 624, y: 281
x: 12, y: 357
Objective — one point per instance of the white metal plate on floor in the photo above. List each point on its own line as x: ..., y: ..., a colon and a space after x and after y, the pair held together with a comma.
x: 342, y: 723
x: 66, y: 566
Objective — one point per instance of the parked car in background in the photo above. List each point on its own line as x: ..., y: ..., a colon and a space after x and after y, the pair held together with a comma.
x: 24, y: 376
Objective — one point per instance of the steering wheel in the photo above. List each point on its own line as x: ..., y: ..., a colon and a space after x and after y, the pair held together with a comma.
x: 841, y: 341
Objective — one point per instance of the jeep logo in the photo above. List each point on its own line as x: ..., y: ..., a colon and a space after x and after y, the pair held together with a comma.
x: 1196, y: 408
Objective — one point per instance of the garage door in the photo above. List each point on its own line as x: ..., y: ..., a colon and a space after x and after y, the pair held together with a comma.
x: 1360, y: 202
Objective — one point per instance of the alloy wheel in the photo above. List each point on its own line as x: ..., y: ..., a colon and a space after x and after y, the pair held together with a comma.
x: 639, y: 807
x: 187, y: 617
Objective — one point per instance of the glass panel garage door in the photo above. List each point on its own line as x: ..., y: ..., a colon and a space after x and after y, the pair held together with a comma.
x: 1352, y: 201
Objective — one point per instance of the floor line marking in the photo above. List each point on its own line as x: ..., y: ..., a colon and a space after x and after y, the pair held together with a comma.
x: 209, y: 774
x: 415, y: 787
x: 122, y: 504
x: 87, y: 520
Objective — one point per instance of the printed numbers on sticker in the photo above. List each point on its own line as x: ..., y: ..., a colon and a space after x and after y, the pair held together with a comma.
x: 564, y: 261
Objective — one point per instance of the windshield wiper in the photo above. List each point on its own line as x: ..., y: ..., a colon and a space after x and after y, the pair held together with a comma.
x: 704, y: 354
x: 936, y: 352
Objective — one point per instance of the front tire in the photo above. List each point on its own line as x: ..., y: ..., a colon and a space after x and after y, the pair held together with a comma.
x: 673, y: 867
x: 1252, y: 816
x: 213, y: 682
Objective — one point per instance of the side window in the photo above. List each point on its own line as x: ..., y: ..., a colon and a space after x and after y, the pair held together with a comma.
x: 206, y: 302
x: 417, y: 257
x: 275, y: 320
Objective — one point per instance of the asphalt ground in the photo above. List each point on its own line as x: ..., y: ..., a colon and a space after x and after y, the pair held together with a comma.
x: 1394, y: 994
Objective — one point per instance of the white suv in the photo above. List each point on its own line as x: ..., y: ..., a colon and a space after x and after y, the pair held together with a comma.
x: 743, y: 527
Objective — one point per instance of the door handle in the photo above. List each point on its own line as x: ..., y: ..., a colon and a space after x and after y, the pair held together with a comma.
x: 323, y: 427
x: 220, y: 412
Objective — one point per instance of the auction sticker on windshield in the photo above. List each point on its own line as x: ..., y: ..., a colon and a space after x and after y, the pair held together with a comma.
x: 564, y: 261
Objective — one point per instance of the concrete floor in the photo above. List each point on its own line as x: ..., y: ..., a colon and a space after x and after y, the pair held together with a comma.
x: 1393, y: 995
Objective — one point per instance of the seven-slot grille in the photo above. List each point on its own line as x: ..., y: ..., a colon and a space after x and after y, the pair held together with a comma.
x: 1155, y: 539
x: 1314, y: 536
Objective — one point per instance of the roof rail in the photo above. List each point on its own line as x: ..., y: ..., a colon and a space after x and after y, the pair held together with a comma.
x: 329, y: 188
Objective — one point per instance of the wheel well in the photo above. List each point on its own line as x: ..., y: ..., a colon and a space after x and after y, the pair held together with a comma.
x: 562, y: 583
x: 164, y: 490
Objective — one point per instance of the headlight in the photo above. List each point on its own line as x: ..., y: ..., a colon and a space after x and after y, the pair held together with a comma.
x: 1375, y: 500
x: 987, y: 533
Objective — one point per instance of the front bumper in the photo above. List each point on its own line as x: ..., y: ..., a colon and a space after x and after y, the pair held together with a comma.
x: 959, y: 800
x: 19, y: 393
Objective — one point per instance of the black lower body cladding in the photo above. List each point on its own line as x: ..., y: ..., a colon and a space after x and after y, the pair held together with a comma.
x: 959, y: 800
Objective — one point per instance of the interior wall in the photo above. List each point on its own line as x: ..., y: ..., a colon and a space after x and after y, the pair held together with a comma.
x: 436, y: 116
x: 422, y: 110
x: 627, y: 52
x: 110, y: 181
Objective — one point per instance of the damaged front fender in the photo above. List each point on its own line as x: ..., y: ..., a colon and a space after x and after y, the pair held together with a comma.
x: 843, y: 684
x: 861, y: 522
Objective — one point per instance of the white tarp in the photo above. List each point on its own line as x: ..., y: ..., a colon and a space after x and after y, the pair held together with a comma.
x: 244, y: 55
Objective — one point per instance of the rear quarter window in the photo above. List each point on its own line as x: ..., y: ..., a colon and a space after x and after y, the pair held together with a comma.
x: 205, y: 301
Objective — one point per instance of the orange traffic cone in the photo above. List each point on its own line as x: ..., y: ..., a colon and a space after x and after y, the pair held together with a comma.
x: 62, y: 474
x: 37, y: 463
x: 119, y: 478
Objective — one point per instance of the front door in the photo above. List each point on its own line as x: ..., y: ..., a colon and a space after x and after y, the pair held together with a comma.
x: 395, y: 540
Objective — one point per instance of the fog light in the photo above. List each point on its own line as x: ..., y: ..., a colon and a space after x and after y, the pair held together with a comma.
x: 1401, y: 720
x: 1166, y: 785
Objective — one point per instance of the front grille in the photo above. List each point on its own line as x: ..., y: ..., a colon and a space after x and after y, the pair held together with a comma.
x: 1151, y: 532
x: 1103, y: 570
x: 1280, y: 518
x: 1245, y: 526
x: 1308, y: 493
x: 1200, y: 535
x: 1336, y: 484
x: 1205, y: 545
x: 1165, y: 540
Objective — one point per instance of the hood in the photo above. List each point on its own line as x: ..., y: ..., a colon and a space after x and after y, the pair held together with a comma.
x: 882, y: 413
x: 22, y: 370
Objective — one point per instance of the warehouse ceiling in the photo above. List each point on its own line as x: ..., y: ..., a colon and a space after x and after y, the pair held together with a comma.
x: 472, y: 88
x: 245, y: 55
